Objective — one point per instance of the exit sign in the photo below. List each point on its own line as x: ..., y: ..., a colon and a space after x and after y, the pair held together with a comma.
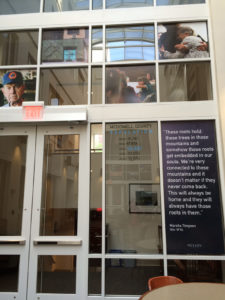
x: 33, y: 110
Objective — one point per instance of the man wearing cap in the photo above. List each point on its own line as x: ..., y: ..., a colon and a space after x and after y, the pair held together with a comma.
x: 13, y: 88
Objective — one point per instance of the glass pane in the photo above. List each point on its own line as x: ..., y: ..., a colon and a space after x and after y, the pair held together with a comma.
x: 183, y: 40
x: 97, y: 44
x: 56, y: 274
x: 96, y: 85
x: 96, y: 4
x: 185, y: 81
x: 64, y: 86
x: 59, y: 202
x: 95, y: 242
x: 65, y: 5
x: 19, y: 7
x: 130, y: 43
x: 18, y: 47
x: 94, y: 277
x: 177, y: 2
x: 197, y: 270
x: 17, y: 86
x: 12, y: 178
x: 130, y: 276
x: 128, y: 3
x: 65, y: 45
x: 9, y: 271
x: 133, y: 208
x: 130, y: 84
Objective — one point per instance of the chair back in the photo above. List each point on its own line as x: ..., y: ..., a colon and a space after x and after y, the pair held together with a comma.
x: 157, y: 282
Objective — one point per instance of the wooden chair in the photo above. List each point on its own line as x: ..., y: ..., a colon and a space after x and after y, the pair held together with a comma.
x: 157, y: 282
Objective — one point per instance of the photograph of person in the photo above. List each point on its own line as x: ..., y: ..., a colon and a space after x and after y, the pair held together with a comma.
x: 130, y: 84
x: 183, y: 40
x: 16, y: 87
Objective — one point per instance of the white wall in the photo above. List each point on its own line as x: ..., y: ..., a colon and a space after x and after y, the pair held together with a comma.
x: 217, y: 9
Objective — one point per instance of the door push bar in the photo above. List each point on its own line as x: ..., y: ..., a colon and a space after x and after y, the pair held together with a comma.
x: 59, y: 243
x: 12, y: 242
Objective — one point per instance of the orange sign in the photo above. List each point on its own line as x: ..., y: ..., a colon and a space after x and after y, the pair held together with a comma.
x: 34, y: 112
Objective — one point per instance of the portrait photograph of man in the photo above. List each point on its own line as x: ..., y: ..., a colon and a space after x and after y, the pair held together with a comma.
x: 16, y: 87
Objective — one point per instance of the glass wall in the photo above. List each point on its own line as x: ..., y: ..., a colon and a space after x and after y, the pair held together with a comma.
x: 130, y: 43
x: 128, y: 71
x: 127, y: 3
x: 185, y: 82
x: 95, y: 226
x: 18, y: 47
x: 12, y: 179
x: 33, y: 6
x: 9, y: 273
x: 197, y: 270
x: 129, y: 277
x: 64, y: 86
x: 19, y: 7
x: 65, y: 45
x: 178, y: 2
x: 65, y: 5
x: 59, y: 205
x: 56, y: 274
x: 130, y: 84
x: 133, y: 211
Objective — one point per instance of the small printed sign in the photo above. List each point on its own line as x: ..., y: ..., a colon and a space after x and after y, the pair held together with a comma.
x: 33, y: 111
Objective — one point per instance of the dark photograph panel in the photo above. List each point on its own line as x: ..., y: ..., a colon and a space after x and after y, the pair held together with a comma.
x: 17, y: 86
x: 183, y: 40
x: 130, y: 84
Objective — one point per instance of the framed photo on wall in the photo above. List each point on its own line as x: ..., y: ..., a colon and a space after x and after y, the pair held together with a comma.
x: 144, y: 198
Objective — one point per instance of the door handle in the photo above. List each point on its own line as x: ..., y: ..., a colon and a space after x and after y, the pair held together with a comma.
x: 13, y: 242
x: 77, y: 242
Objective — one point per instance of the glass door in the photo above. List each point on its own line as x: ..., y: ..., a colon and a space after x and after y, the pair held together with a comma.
x: 59, y: 232
x: 17, y: 148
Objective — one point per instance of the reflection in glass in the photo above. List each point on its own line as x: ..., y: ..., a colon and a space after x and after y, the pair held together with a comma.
x: 64, y: 86
x: 97, y: 44
x: 94, y: 276
x: 95, y: 235
x: 130, y: 43
x: 185, y: 81
x: 177, y: 2
x: 19, y: 7
x: 183, y: 40
x: 130, y: 84
x: 25, y: 90
x: 130, y: 276
x: 12, y: 178
x: 65, y: 45
x: 59, y: 202
x: 132, y: 159
x: 18, y: 47
x: 9, y: 271
x: 96, y: 85
x: 56, y: 274
x: 97, y: 4
x: 65, y: 5
x: 128, y: 3
x: 197, y: 270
